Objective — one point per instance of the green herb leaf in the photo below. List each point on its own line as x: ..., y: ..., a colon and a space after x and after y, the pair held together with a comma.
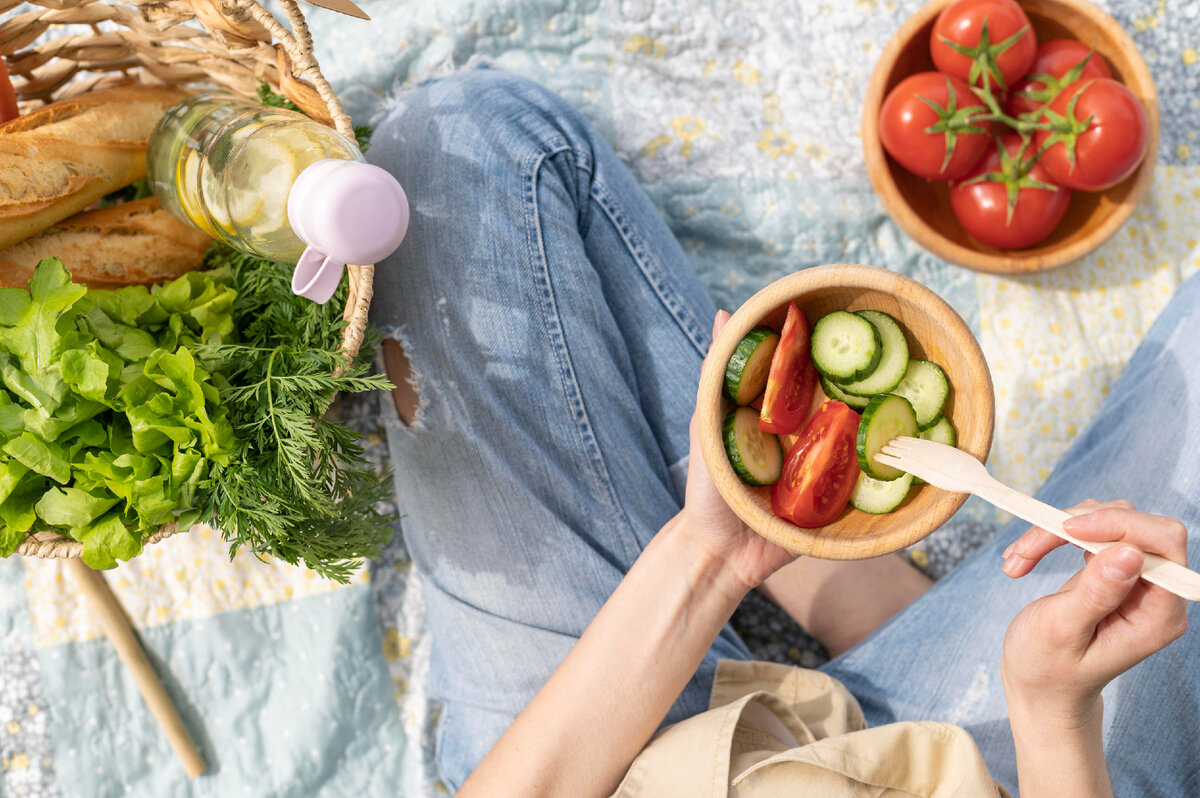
x: 297, y: 487
x: 274, y: 99
x: 362, y: 133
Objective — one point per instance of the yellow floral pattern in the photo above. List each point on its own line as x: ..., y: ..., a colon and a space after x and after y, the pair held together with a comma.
x: 1056, y: 341
x: 776, y: 143
x: 185, y: 577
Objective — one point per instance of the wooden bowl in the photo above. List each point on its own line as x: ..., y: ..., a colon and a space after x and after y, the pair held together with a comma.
x: 922, y: 208
x: 934, y: 331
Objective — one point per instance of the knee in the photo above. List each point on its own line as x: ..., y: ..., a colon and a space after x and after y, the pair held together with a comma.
x: 473, y: 117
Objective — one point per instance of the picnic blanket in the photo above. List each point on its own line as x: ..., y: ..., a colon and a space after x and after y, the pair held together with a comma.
x: 740, y: 118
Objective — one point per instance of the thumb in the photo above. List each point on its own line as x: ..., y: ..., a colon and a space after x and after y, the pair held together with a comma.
x: 1103, y: 584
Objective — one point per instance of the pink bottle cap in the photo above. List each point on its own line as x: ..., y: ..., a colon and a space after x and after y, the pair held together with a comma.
x: 344, y: 212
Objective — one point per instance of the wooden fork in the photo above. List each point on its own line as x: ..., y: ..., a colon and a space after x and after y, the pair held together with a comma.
x: 955, y: 470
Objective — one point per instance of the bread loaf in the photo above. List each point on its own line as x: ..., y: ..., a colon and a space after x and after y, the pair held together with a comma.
x: 59, y: 159
x: 133, y: 243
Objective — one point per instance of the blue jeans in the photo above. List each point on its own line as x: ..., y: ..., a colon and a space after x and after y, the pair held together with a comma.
x: 556, y: 330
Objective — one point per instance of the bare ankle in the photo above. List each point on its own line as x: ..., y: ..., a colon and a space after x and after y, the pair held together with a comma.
x: 841, y: 602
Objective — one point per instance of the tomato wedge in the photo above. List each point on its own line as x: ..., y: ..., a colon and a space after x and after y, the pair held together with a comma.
x: 8, y: 98
x: 821, y: 469
x: 791, y: 380
x: 776, y: 318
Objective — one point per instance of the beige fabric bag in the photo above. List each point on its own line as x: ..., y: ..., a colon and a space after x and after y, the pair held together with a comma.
x: 774, y: 730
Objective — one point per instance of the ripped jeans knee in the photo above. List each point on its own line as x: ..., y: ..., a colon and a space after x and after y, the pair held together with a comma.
x: 406, y: 395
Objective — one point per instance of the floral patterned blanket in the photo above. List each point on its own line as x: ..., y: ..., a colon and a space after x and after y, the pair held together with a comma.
x: 741, y: 119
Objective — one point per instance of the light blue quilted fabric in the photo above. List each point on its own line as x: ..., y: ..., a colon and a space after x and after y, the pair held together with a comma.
x: 741, y: 119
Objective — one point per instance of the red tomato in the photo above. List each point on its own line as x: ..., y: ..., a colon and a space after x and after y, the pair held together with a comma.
x: 941, y: 143
x: 959, y: 47
x: 1101, y: 135
x: 820, y: 470
x: 8, y: 98
x: 791, y: 380
x: 1055, y: 58
x: 1008, y: 201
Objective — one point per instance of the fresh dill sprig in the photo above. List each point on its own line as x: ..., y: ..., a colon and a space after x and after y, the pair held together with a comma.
x: 299, y: 486
x: 362, y: 133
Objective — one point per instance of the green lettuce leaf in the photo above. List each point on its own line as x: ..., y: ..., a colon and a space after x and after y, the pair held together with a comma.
x: 17, y: 511
x: 130, y: 343
x: 86, y: 373
x: 118, y: 473
x: 71, y: 413
x: 37, y: 337
x: 13, y: 304
x: 38, y: 456
x: 71, y: 507
x: 152, y: 432
x: 107, y: 540
x: 86, y: 434
x: 187, y: 470
x: 132, y: 305
x: 109, y: 423
x: 206, y: 309
x: 45, y: 391
x: 12, y: 421
x: 11, y: 473
x: 10, y: 539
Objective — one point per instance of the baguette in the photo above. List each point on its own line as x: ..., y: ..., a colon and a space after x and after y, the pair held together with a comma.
x: 134, y: 243
x: 61, y: 158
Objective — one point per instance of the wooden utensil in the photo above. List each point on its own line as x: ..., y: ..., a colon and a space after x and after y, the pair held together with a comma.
x: 955, y: 470
x: 934, y: 332
x: 119, y: 632
x: 922, y: 207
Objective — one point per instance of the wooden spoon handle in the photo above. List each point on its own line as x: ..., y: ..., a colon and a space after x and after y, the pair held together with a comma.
x: 116, y: 626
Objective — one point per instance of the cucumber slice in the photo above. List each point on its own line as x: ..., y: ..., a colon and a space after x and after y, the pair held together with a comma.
x: 926, y: 387
x: 893, y: 361
x: 880, y: 496
x: 837, y: 394
x: 942, y: 431
x: 845, y: 347
x: 748, y: 367
x: 756, y: 456
x: 885, y: 418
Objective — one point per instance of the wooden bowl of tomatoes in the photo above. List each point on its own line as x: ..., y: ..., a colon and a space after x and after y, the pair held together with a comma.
x: 933, y: 332
x: 1007, y: 194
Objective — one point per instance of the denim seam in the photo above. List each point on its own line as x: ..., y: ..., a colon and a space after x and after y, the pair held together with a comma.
x: 652, y: 270
x: 531, y: 170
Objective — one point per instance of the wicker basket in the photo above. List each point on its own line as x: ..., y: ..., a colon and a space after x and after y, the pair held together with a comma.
x: 236, y: 44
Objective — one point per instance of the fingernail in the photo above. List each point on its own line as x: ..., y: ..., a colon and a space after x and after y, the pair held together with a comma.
x: 1010, y: 566
x: 1079, y: 521
x: 1008, y: 551
x: 1124, y: 564
x: 717, y: 322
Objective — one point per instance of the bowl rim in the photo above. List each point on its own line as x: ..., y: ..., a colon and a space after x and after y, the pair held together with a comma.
x: 812, y: 542
x: 921, y: 232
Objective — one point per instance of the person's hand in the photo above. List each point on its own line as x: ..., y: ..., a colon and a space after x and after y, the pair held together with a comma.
x: 1062, y: 649
x: 716, y: 527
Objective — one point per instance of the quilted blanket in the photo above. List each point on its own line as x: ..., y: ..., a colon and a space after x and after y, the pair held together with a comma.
x: 740, y: 118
